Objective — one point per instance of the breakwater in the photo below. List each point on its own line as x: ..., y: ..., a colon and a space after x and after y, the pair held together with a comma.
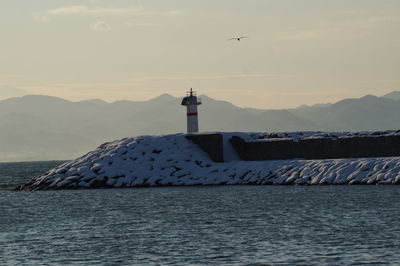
x: 175, y: 160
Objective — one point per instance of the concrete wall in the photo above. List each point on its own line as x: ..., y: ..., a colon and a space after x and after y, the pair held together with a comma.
x: 212, y: 144
x: 354, y: 147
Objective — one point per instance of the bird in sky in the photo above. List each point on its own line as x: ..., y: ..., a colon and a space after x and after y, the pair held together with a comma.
x: 237, y: 38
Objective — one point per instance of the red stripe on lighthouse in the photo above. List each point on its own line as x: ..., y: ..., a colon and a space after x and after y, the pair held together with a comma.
x: 190, y: 114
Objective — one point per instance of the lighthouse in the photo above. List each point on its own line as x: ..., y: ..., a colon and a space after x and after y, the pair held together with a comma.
x: 191, y: 101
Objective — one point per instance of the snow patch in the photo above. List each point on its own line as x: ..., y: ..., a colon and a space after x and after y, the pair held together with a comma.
x: 175, y: 160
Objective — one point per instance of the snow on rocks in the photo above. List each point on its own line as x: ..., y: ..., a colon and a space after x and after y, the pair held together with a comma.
x: 173, y: 160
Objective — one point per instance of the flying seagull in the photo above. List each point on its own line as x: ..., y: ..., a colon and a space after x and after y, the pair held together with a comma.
x: 237, y: 38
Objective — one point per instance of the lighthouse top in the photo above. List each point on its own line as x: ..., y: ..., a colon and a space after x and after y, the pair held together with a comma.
x: 191, y: 98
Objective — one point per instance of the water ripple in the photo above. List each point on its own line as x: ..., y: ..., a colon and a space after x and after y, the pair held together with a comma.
x: 233, y: 225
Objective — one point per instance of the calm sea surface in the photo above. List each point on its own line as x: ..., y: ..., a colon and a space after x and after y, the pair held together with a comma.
x: 197, y: 225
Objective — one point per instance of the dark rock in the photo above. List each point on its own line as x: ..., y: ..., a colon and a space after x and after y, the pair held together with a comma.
x: 99, y: 184
x: 354, y: 182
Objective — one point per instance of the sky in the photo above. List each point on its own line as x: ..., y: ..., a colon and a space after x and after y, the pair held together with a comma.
x: 297, y: 51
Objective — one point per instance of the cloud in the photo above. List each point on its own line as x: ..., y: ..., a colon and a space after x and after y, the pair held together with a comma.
x: 174, y: 12
x: 140, y: 24
x: 213, y: 77
x: 76, y: 10
x: 386, y: 80
x: 382, y: 19
x: 353, y: 26
x: 133, y: 81
x: 310, y: 34
x: 85, y: 10
x: 42, y: 18
x: 7, y: 76
x: 101, y: 26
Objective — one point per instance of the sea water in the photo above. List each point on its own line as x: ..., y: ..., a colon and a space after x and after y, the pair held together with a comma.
x: 197, y: 225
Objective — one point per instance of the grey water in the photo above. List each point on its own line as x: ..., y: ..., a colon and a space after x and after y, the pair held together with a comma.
x: 234, y: 225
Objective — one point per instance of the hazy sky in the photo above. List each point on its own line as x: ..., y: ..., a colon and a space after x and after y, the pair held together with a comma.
x: 298, y: 51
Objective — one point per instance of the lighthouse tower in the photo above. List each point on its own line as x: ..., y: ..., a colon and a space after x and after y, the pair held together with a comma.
x: 191, y: 101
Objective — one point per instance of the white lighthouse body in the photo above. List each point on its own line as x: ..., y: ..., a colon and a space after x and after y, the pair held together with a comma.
x: 191, y: 101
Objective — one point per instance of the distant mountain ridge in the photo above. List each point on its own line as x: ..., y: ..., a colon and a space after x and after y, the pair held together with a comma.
x: 38, y: 127
x: 394, y: 95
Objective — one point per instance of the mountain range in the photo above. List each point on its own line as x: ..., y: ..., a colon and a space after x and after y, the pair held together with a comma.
x: 38, y: 127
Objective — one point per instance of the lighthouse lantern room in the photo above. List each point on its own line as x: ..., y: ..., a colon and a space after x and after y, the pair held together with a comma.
x: 191, y: 101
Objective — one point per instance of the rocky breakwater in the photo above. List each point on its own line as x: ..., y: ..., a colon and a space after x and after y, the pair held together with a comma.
x: 174, y: 160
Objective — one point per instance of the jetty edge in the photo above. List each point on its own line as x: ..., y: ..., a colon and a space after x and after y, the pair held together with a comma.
x: 232, y: 158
